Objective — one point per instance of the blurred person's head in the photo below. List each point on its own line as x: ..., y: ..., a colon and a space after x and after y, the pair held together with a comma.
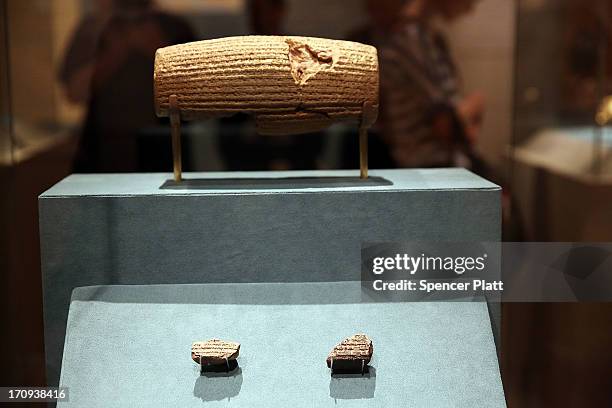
x: 132, y: 4
x: 104, y: 6
x: 132, y: 8
x: 267, y: 16
x: 450, y: 9
x: 384, y: 14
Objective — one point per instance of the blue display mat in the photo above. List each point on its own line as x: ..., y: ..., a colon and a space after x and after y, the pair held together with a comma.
x: 129, y: 346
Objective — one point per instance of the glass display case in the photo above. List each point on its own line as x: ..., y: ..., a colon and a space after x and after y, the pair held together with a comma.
x: 561, y: 172
x: 5, y: 123
x: 55, y: 90
x: 135, y: 266
x: 562, y: 146
x: 563, y: 75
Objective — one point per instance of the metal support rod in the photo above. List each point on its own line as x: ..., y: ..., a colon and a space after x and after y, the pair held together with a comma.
x: 363, y: 152
x: 368, y: 117
x: 175, y: 125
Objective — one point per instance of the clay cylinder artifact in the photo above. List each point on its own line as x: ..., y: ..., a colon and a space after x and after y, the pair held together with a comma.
x: 290, y: 85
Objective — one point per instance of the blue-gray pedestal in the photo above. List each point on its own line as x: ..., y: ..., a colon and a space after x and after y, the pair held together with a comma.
x: 242, y: 227
x: 129, y: 346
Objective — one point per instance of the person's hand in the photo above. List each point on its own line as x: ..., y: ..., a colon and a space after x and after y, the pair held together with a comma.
x: 471, y: 112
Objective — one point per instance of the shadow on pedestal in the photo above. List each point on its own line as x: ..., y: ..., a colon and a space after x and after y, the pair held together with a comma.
x: 273, y: 183
x: 217, y: 386
x: 353, y: 386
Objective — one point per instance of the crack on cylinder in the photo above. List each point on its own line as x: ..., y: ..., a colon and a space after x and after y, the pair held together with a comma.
x: 303, y: 109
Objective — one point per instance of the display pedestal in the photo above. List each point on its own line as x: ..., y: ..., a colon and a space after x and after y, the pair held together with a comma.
x: 129, y: 346
x: 243, y: 227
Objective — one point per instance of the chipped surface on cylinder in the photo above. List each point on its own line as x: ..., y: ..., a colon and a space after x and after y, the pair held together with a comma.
x: 289, y: 84
x: 307, y: 61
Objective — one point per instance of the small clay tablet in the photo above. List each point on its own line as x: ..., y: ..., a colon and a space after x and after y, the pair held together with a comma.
x: 352, y: 355
x: 215, y: 354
